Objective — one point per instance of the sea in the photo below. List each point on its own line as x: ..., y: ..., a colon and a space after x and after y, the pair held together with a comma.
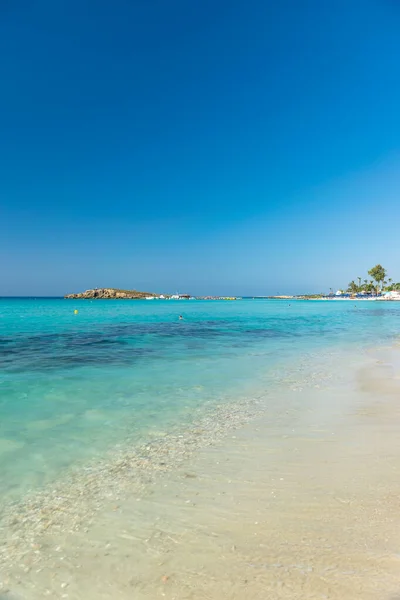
x: 83, y: 381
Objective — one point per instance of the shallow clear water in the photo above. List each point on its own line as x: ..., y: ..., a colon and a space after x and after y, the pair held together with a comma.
x: 71, y: 386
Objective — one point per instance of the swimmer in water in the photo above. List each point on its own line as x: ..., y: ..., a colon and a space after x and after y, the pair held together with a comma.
x: 180, y: 317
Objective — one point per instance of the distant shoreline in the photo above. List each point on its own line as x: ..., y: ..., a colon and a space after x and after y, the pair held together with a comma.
x: 283, y: 298
x: 335, y: 298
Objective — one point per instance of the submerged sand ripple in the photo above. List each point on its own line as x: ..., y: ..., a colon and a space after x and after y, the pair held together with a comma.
x: 284, y: 496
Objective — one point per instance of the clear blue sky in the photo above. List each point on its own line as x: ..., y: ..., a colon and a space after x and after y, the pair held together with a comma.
x: 208, y: 146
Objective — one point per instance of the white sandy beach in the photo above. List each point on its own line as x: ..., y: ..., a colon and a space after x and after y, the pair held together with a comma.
x: 296, y: 503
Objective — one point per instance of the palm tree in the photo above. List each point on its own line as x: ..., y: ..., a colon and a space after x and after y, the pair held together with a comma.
x: 378, y: 274
x: 352, y: 287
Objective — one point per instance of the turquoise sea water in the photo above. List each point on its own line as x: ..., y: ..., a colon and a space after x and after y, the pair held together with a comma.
x: 72, y: 386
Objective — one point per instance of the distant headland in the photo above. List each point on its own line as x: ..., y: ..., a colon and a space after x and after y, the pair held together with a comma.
x: 111, y: 294
x: 117, y: 294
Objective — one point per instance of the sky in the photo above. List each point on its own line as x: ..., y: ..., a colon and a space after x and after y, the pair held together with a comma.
x: 242, y: 147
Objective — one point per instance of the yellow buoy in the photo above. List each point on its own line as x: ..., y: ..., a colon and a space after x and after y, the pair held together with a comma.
x: 75, y: 312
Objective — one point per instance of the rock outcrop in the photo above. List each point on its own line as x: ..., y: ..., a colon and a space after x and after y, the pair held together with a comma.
x: 111, y: 294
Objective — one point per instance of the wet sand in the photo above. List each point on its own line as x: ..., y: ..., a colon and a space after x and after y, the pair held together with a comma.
x: 294, y: 497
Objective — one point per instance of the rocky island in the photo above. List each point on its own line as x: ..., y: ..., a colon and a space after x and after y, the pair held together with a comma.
x: 111, y: 294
